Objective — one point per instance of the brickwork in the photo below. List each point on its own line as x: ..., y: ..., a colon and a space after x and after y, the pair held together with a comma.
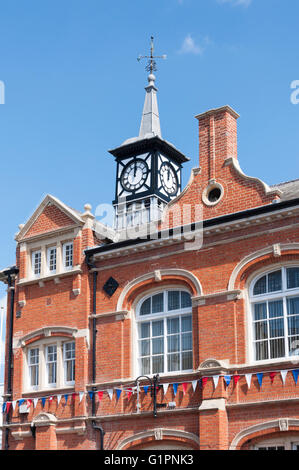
x: 208, y: 417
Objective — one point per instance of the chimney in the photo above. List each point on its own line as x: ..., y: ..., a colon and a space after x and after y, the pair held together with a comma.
x: 217, y: 140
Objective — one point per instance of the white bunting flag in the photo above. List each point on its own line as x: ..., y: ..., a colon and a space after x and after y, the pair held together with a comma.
x: 194, y: 385
x: 14, y: 404
x: 283, y: 375
x: 35, y: 400
x: 110, y: 393
x: 165, y: 388
x: 80, y: 396
x: 248, y: 379
x: 58, y: 399
x: 215, y: 380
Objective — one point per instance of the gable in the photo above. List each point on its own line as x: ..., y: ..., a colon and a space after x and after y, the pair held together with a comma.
x: 52, y: 218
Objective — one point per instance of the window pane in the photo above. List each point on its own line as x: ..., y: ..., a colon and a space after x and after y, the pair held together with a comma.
x: 260, y: 286
x: 277, y: 348
x: 173, y: 300
x: 173, y: 343
x: 187, y: 323
x: 293, y: 305
x: 157, y: 303
x: 158, y: 364
x: 145, y: 366
x: 157, y: 328
x: 187, y: 360
x: 185, y: 299
x: 276, y: 328
x: 294, y: 346
x: 186, y: 342
x: 260, y: 329
x: 261, y: 350
x: 144, y: 330
x: 274, y: 281
x: 158, y: 346
x: 146, y: 307
x: 145, y: 348
x: 173, y: 325
x: 275, y: 309
x: 293, y: 325
x: 260, y: 311
x: 292, y: 278
x: 173, y: 361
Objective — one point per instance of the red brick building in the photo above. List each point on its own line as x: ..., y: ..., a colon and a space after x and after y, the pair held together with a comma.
x: 183, y: 337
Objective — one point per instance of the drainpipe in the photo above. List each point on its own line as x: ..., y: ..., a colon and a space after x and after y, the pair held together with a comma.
x: 94, y: 337
x: 11, y: 288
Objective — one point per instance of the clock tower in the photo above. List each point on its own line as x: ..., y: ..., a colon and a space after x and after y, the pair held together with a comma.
x: 148, y: 168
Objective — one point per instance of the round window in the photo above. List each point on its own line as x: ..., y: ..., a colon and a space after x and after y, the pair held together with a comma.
x: 212, y: 194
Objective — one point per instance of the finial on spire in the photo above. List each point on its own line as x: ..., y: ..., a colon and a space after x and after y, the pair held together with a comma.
x: 151, y: 64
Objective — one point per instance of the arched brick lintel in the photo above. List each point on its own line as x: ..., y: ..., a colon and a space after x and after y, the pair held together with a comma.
x: 156, y: 279
x: 262, y: 430
x: 275, y: 254
x: 159, y: 436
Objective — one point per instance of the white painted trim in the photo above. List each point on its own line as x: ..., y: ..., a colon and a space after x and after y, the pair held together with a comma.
x: 253, y: 256
x: 231, y: 161
x: 260, y: 427
x: 164, y: 272
x: 53, y: 200
x: 153, y: 433
x: 213, y: 404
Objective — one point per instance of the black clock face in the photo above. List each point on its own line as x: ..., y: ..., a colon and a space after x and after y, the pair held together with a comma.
x: 134, y: 175
x: 169, y: 178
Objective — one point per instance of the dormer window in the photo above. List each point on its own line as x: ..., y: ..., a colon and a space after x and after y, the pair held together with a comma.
x: 36, y: 263
x: 68, y: 255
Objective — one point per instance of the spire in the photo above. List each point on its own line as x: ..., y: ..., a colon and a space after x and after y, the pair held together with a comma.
x: 150, y: 121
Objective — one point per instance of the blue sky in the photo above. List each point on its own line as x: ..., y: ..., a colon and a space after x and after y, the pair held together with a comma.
x: 74, y: 89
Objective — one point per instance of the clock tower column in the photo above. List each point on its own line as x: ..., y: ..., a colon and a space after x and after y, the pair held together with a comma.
x: 148, y: 173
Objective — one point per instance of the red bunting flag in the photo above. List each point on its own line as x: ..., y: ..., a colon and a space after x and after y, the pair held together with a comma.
x: 74, y: 396
x: 236, y: 379
x: 8, y: 405
x: 129, y: 392
x: 29, y: 401
x: 100, y: 395
x: 272, y: 375
x: 204, y: 381
x: 185, y: 385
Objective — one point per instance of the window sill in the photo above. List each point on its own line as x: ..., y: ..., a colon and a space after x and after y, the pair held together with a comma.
x: 49, y: 277
x: 47, y: 391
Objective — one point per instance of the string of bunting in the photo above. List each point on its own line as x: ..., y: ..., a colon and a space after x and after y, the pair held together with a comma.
x: 6, y: 406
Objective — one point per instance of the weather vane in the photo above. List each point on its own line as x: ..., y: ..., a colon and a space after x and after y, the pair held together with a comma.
x: 151, y: 64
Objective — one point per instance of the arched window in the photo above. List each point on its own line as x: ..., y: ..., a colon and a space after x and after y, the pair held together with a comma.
x: 164, y: 329
x: 275, y: 314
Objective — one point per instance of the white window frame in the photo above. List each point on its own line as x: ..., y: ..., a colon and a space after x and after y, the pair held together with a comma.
x: 166, y: 314
x: 51, y: 362
x: 32, y: 365
x: 288, y: 442
x: 283, y: 295
x: 33, y: 263
x: 49, y: 250
x: 43, y: 382
x: 66, y: 360
x: 65, y: 246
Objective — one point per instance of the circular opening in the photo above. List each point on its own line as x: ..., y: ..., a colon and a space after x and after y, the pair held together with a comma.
x: 214, y: 194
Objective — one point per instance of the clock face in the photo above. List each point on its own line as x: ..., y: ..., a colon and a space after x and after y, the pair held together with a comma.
x: 169, y: 178
x: 134, y: 175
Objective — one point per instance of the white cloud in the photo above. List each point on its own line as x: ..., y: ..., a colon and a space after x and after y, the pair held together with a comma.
x: 189, y: 46
x: 244, y: 3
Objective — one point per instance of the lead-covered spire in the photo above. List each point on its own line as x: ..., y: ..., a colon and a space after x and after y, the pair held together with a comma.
x: 150, y: 121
